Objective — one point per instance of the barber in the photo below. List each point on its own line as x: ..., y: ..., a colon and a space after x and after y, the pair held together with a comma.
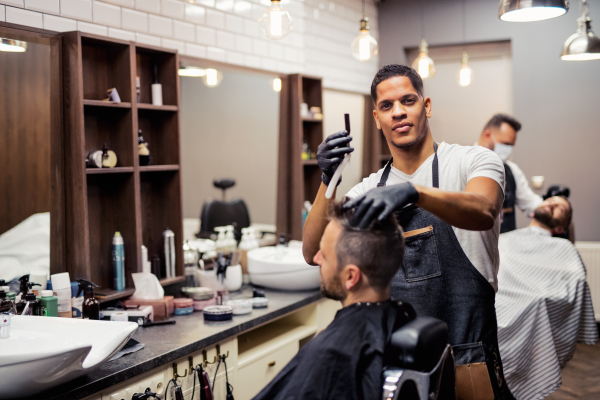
x: 447, y: 198
x: 500, y: 136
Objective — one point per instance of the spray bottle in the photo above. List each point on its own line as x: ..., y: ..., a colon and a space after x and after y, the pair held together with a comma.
x: 23, y: 287
x: 27, y: 297
x: 6, y: 305
x: 91, y: 306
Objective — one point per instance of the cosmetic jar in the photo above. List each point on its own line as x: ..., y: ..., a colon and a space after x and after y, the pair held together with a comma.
x: 259, y: 302
x: 119, y: 316
x: 218, y: 313
x: 240, y: 306
x: 183, y: 303
x: 184, y: 311
x: 199, y: 293
x: 199, y: 305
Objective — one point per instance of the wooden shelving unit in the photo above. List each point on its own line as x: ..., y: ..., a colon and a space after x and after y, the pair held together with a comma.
x: 298, y: 179
x: 140, y: 202
x: 376, y: 152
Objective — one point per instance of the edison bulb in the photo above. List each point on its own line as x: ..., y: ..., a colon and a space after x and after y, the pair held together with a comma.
x: 364, y: 46
x: 465, y: 73
x: 423, y: 64
x: 276, y: 22
x: 212, y: 77
x: 277, y: 85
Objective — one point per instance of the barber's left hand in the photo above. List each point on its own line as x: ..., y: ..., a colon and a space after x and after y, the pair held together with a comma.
x: 381, y: 202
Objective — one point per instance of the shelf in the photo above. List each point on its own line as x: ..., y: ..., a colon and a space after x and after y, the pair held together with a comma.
x: 151, y: 168
x: 116, y: 170
x: 167, y: 66
x: 310, y: 162
x: 146, y: 106
x: 311, y: 120
x: 100, y: 103
x: 160, y: 131
x: 113, y: 126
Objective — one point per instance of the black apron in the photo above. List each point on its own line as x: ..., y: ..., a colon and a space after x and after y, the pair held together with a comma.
x: 439, y: 281
x: 509, y: 222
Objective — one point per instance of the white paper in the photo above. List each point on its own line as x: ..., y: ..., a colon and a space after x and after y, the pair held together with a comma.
x: 147, y: 287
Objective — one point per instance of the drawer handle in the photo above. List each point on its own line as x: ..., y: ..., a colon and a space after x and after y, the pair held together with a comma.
x: 272, y: 364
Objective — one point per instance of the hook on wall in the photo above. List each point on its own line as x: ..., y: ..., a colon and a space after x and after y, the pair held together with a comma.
x: 219, y: 352
x: 206, y: 362
x: 176, y: 375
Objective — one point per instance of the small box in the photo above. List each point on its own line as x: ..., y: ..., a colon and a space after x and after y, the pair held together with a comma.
x: 141, y: 315
x: 163, y: 308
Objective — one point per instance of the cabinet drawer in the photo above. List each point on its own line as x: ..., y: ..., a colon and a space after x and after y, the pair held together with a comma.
x: 256, y: 375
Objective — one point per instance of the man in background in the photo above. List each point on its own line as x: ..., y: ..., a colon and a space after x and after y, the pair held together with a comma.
x: 500, y: 136
x: 345, y: 361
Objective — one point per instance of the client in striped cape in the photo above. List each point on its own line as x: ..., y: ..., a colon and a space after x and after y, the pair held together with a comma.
x: 543, y: 304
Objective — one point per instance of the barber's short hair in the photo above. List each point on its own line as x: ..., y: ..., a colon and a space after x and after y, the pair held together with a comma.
x: 377, y: 251
x: 499, y: 119
x: 392, y: 70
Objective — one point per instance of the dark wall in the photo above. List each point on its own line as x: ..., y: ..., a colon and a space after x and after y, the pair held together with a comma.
x: 25, y: 126
x: 557, y: 101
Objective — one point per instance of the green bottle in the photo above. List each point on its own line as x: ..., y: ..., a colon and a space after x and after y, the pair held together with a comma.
x: 50, y: 303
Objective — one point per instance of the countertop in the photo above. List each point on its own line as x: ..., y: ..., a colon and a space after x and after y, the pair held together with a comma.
x: 167, y: 343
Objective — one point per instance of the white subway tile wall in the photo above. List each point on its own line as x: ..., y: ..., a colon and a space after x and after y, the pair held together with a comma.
x: 222, y: 30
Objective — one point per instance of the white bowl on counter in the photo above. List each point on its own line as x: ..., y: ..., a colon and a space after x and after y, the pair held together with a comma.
x: 43, y: 352
x: 282, y: 268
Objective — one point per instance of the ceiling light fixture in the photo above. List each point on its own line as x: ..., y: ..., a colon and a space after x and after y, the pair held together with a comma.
x: 193, y: 72
x: 277, y: 85
x: 212, y: 78
x: 276, y: 22
x: 531, y: 10
x: 465, y: 73
x: 583, y: 45
x: 364, y: 46
x: 423, y: 64
x: 13, y: 46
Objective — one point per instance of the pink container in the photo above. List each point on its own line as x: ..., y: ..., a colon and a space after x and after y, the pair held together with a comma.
x: 200, y: 304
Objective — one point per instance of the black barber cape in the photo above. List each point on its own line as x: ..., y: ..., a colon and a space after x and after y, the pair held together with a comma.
x: 344, y: 361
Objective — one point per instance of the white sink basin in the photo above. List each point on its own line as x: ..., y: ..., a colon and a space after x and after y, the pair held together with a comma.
x: 43, y: 352
x: 282, y: 268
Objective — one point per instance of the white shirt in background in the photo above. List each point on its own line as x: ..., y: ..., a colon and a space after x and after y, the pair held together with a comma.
x: 525, y: 199
x: 457, y: 165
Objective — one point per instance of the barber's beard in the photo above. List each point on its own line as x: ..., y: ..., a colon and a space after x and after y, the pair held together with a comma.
x: 540, y: 214
x: 420, y: 137
x: 333, y: 289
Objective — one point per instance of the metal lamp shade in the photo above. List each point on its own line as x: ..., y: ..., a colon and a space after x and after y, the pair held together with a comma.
x: 531, y: 10
x: 581, y: 46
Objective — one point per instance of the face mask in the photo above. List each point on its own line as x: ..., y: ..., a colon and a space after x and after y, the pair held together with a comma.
x: 503, y: 150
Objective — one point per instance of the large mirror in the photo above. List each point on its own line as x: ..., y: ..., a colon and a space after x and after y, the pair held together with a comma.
x: 31, y: 197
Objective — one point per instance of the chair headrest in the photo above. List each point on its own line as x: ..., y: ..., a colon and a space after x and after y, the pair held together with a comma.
x: 223, y: 183
x: 419, y: 344
x: 557, y: 190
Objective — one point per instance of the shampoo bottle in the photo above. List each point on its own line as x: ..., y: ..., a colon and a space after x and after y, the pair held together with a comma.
x: 118, y: 253
x: 50, y: 303
x: 61, y: 285
x: 91, y: 306
x: 157, y: 99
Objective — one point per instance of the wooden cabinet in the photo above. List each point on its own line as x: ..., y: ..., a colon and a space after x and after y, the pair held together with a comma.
x: 139, y: 201
x: 298, y: 180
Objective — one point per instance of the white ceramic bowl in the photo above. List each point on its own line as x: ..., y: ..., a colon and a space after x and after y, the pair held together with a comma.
x: 282, y: 268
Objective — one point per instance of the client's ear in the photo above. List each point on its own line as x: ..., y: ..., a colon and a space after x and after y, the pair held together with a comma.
x: 351, y: 276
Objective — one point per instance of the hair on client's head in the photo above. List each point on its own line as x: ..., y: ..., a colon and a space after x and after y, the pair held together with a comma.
x: 376, y: 251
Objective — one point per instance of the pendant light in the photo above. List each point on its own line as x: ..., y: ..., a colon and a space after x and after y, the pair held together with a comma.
x: 364, y: 46
x: 212, y: 78
x: 193, y: 72
x: 465, y: 72
x: 13, y: 46
x: 276, y: 22
x: 531, y: 10
x: 423, y: 64
x: 583, y: 45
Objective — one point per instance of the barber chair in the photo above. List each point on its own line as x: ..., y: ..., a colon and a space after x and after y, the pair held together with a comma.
x: 222, y: 212
x: 419, y: 362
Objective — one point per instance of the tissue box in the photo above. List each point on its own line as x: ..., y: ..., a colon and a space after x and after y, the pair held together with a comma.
x: 163, y: 308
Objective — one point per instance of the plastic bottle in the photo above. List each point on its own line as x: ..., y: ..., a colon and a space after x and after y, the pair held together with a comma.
x: 6, y: 305
x: 91, y: 306
x: 61, y: 285
x: 118, y: 256
x: 221, y: 243
x: 30, y: 305
x: 50, y: 303
x: 9, y: 295
x: 230, y: 242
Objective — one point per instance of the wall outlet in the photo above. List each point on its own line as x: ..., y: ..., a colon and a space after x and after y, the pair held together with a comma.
x: 122, y: 395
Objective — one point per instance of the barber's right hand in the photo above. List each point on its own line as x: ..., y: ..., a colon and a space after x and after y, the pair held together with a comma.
x: 331, y: 152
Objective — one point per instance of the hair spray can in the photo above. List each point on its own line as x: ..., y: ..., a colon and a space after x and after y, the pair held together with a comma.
x: 169, y: 239
x: 118, y: 256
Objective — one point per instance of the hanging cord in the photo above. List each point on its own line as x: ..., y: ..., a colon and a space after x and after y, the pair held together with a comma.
x: 464, y: 23
x: 422, y: 21
x: 167, y: 389
x: 215, y: 377
x: 229, y: 387
x: 194, y: 372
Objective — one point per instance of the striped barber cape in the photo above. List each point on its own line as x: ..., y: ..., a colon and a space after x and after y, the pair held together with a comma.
x: 543, y: 307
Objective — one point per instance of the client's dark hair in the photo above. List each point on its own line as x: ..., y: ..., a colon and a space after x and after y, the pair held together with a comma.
x: 499, y: 119
x: 389, y: 71
x: 569, y: 215
x: 377, y: 251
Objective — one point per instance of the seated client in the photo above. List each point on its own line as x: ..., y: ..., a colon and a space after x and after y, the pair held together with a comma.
x: 543, y: 304
x: 345, y: 361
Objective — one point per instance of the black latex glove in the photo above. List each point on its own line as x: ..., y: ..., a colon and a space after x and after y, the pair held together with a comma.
x: 381, y: 202
x: 331, y: 152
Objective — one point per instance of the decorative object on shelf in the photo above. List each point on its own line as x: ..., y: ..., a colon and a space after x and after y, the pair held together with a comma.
x: 109, y: 158
x: 212, y: 78
x: 364, y: 46
x: 143, y: 152
x: 169, y: 246
x: 423, y: 64
x: 583, y: 45
x: 304, y: 112
x: 94, y: 159
x: 112, y: 95
x: 305, y: 150
x: 532, y: 10
x: 118, y: 257
x: 315, y: 113
x: 277, y: 85
x: 276, y: 22
x: 465, y: 73
x: 157, y: 99
x: 13, y: 46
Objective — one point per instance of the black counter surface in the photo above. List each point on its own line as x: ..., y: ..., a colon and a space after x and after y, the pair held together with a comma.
x: 167, y: 343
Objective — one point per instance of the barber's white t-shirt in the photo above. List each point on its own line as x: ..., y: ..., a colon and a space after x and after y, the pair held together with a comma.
x: 456, y: 165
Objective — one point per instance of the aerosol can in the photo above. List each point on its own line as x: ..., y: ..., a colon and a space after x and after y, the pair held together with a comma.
x: 169, y: 241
